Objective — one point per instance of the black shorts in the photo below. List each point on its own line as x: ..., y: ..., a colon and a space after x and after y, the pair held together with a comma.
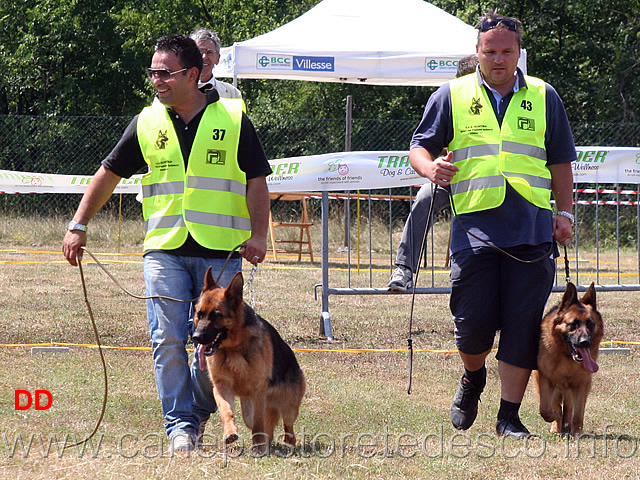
x: 491, y: 292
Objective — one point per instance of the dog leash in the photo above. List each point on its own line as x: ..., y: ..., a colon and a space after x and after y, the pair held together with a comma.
x: 95, y: 328
x: 413, y: 293
x: 104, y: 363
x: 249, y: 286
x: 495, y: 247
x: 566, y: 265
x: 97, y: 336
x: 152, y: 297
x: 498, y: 249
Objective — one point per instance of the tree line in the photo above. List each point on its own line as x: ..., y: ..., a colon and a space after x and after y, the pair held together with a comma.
x: 65, y: 57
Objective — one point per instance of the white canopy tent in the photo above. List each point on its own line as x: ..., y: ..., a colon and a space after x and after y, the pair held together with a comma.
x: 374, y: 42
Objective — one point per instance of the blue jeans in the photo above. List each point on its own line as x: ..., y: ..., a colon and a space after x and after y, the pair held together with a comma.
x: 185, y: 391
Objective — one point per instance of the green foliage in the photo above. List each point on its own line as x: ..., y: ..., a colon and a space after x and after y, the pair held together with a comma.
x: 65, y: 57
x: 63, y: 145
x: 587, y: 49
x: 57, y: 57
x: 591, y: 51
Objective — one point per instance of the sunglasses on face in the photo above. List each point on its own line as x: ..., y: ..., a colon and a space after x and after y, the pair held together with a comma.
x: 162, y: 73
x: 492, y: 23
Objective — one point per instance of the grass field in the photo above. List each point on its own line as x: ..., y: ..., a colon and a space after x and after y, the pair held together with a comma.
x: 357, y: 420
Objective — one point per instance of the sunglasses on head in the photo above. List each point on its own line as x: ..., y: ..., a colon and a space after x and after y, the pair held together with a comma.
x: 162, y: 73
x: 492, y: 23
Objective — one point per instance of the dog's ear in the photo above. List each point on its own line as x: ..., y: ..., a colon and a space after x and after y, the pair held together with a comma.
x: 589, y: 297
x: 570, y: 296
x: 209, y: 282
x: 234, y: 290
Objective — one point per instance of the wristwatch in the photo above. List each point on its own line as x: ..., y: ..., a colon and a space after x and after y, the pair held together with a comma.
x: 76, y: 226
x: 566, y: 214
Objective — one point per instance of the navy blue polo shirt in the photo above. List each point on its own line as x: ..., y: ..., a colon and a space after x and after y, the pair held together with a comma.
x: 516, y: 221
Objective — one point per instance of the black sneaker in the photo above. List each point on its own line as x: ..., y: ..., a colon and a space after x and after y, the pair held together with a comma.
x: 512, y: 427
x: 464, y: 407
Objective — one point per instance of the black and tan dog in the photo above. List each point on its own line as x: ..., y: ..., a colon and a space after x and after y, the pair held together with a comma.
x: 246, y: 357
x: 569, y: 343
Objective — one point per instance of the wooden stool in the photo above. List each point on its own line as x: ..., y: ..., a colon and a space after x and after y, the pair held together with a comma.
x: 303, y: 227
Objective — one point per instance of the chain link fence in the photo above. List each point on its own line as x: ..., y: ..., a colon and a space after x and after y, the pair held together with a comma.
x: 76, y: 145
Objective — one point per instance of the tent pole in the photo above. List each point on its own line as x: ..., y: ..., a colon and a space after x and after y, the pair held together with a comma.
x: 347, y: 137
x: 347, y: 148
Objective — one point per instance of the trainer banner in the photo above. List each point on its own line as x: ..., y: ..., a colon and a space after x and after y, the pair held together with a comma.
x: 369, y: 170
x: 345, y: 171
x: 26, y: 182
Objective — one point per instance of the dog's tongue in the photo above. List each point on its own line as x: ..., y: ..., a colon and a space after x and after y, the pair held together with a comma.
x: 587, y: 361
x: 200, y: 352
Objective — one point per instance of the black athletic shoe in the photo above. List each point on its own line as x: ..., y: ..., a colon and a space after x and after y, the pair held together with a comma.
x: 464, y: 407
x: 512, y: 427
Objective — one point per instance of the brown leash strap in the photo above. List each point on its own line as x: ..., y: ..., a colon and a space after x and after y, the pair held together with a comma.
x: 546, y: 255
x: 95, y: 328
x: 104, y: 364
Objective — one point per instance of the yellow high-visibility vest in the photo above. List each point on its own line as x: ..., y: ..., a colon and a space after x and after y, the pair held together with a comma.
x: 207, y: 200
x: 489, y: 155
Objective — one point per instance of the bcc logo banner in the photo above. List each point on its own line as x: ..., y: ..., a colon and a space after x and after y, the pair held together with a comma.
x: 265, y: 61
x: 441, y: 65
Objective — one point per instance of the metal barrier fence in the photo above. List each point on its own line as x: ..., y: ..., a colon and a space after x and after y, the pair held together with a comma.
x: 605, y: 250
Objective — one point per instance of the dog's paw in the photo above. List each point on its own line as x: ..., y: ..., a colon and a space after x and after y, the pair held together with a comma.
x: 289, y: 438
x: 576, y: 431
x: 259, y: 449
x: 556, y: 427
x: 551, y: 416
x: 230, y: 438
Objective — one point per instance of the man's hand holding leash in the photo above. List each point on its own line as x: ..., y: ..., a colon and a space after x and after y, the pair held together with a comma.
x: 254, y: 250
x: 439, y: 170
x: 74, y: 240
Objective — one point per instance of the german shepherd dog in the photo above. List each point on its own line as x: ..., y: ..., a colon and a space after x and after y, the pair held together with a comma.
x: 246, y: 357
x: 569, y: 343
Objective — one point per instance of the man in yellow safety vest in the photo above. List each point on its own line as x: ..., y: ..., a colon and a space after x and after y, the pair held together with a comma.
x: 204, y: 194
x: 509, y: 148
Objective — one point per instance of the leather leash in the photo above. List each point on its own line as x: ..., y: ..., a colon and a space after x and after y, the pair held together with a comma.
x: 140, y: 297
x: 413, y: 293
x: 500, y: 250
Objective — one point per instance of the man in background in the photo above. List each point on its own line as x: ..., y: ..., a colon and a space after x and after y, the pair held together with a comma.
x: 209, y: 45
x: 408, y: 255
